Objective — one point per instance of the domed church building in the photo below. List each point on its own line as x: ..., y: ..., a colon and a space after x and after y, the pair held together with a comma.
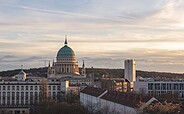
x: 66, y: 64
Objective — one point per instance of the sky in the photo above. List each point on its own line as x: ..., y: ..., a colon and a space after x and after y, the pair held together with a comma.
x: 102, y: 32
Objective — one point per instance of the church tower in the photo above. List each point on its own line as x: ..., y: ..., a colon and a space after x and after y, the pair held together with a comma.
x: 83, y: 70
x: 50, y: 71
x: 21, y: 76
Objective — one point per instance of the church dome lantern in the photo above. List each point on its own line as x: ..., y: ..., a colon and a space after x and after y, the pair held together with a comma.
x: 65, y: 51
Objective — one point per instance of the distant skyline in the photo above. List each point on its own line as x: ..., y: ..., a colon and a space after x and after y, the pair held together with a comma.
x: 102, y: 32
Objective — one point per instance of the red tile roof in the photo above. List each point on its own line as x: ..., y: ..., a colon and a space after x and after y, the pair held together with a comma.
x: 127, y: 99
x: 93, y: 91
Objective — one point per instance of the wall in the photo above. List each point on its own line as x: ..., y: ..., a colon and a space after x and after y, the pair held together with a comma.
x: 105, y: 105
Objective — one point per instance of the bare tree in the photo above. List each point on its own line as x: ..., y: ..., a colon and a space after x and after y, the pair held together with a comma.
x: 162, y: 108
x: 44, y: 90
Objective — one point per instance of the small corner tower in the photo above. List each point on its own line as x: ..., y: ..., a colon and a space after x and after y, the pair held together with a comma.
x: 21, y: 76
x: 83, y: 70
x: 50, y: 71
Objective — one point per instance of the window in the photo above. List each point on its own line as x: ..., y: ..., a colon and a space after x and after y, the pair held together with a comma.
x: 13, y: 94
x: 36, y: 87
x: 27, y: 97
x: 13, y: 87
x: 163, y: 86
x: 23, y: 112
x: 4, y: 94
x: 31, y: 94
x: 4, y: 87
x: 58, y: 87
x: 36, y: 94
x: 22, y: 87
x: 17, y: 87
x: 58, y: 93
x: 175, y: 86
x: 157, y: 86
x: 54, y: 88
x: 31, y: 88
x: 181, y: 86
x: 26, y: 94
x: 17, y: 96
x: 22, y: 94
x: 8, y: 87
x: 22, y: 97
x: 27, y: 87
x: 168, y: 86
x: 54, y: 94
x: 49, y: 93
x: 8, y: 94
x: 150, y: 86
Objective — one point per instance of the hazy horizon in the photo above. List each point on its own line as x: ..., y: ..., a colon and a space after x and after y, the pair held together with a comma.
x: 102, y: 32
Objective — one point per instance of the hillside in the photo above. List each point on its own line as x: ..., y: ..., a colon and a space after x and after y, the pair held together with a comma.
x: 120, y: 73
x: 97, y: 72
x: 40, y: 72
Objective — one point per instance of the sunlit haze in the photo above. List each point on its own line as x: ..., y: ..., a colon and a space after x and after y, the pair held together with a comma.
x: 102, y: 32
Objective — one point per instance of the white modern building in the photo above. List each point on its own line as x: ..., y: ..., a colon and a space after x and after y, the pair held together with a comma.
x: 130, y: 70
x: 160, y: 88
x: 112, y: 102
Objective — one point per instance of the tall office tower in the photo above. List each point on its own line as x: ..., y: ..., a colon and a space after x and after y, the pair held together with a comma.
x: 130, y: 70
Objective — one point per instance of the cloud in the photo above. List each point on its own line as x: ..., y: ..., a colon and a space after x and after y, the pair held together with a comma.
x: 166, y: 15
x: 146, y: 59
x: 52, y: 11
x: 106, y: 31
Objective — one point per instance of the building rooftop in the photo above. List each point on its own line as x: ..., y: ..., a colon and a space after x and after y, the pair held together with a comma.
x: 127, y: 99
x: 93, y: 91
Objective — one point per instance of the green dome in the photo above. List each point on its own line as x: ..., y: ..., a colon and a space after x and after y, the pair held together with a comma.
x: 65, y: 52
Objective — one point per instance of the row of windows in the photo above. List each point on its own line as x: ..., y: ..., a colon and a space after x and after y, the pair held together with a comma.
x: 26, y: 87
x: 26, y: 94
x: 160, y: 93
x: 13, y: 112
x: 17, y: 102
x: 19, y: 87
x: 165, y: 86
x: 54, y: 87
